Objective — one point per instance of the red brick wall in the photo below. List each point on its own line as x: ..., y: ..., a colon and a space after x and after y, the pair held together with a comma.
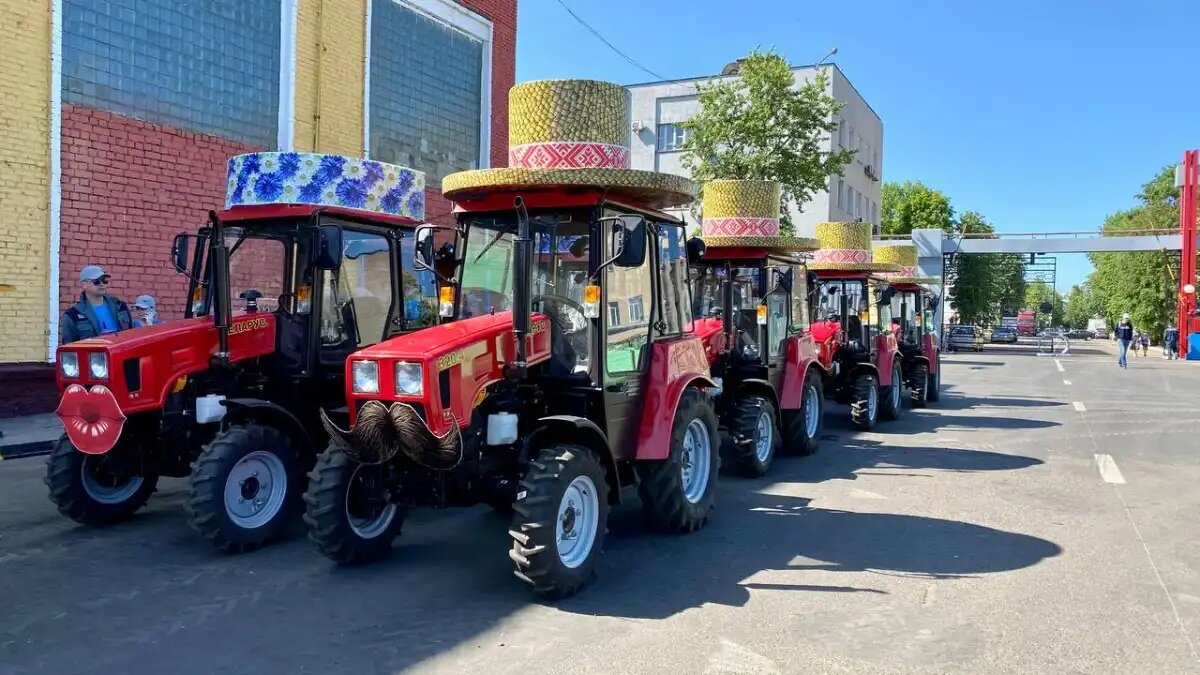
x: 128, y: 187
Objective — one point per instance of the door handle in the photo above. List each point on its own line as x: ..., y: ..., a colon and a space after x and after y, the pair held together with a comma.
x: 622, y: 388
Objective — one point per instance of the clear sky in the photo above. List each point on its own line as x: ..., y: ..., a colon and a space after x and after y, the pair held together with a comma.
x: 1044, y: 116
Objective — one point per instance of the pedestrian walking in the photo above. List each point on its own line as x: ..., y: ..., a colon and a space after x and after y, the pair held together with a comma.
x: 1124, y: 335
x: 96, y: 313
x: 1171, y: 340
x: 1145, y: 340
x: 144, y: 311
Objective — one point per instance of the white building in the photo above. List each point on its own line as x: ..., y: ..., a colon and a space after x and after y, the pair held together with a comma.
x: 657, y: 109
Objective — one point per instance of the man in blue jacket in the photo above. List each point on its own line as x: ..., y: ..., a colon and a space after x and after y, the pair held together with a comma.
x: 96, y: 313
x: 1124, y: 335
x: 1171, y: 341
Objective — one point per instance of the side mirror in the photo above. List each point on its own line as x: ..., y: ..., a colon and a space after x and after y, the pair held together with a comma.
x: 885, y: 296
x: 783, y: 277
x: 629, y: 243
x: 423, y: 248
x: 329, y: 247
x: 695, y: 250
x: 179, y: 253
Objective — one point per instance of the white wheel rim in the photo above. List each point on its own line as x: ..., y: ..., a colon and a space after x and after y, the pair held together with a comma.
x: 106, y: 494
x: 764, y: 436
x: 872, y: 401
x: 812, y: 411
x: 255, y: 489
x: 697, y: 460
x: 895, y: 390
x: 367, y: 527
x: 578, y: 522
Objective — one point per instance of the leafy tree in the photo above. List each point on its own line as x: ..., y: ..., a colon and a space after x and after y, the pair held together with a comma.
x: 912, y: 206
x: 1037, y: 295
x: 974, y: 275
x: 1008, y: 279
x: 1076, y: 313
x: 759, y: 125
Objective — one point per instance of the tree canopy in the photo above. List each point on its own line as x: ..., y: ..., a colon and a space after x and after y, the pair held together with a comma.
x: 913, y: 206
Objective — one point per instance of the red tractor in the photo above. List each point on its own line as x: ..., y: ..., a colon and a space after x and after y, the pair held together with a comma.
x: 229, y: 395
x: 918, y: 345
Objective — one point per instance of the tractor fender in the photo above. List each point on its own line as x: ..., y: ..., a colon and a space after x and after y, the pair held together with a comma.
x: 791, y: 390
x: 883, y: 365
x: 758, y: 387
x: 658, y: 415
x: 868, y: 368
x: 266, y: 412
x: 580, y: 431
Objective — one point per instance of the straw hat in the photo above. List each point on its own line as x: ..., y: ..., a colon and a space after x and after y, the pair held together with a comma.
x: 328, y: 180
x: 847, y: 247
x: 572, y: 132
x: 904, y: 255
x: 746, y: 213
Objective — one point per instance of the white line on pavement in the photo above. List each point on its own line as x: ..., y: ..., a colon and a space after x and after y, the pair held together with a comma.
x: 1067, y: 382
x: 1079, y: 406
x: 1058, y: 364
x: 1108, y: 469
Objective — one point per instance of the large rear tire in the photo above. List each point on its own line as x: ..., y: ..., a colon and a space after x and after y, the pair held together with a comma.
x: 864, y: 408
x: 934, y: 392
x: 95, y: 490
x: 245, y: 488
x: 919, y: 391
x: 559, y: 521
x: 892, y: 396
x: 753, y: 436
x: 349, y: 512
x: 678, y: 492
x: 802, y: 428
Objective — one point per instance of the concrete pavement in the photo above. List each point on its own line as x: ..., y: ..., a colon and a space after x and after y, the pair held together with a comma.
x: 1023, y: 525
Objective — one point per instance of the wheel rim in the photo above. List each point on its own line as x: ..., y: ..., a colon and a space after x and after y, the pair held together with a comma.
x: 764, y: 436
x: 255, y: 489
x: 812, y: 411
x: 872, y: 401
x: 104, y: 486
x: 697, y: 457
x: 369, y: 515
x: 895, y: 390
x: 578, y: 521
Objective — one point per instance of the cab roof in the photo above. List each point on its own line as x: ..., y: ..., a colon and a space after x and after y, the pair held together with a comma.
x: 264, y: 211
x: 552, y: 197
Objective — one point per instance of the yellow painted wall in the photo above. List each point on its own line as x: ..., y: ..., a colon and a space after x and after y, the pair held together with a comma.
x: 24, y: 179
x: 331, y: 33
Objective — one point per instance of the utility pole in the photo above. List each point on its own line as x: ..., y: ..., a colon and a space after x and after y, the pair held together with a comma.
x: 1188, y: 180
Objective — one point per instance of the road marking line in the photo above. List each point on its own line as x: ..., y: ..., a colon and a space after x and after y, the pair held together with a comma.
x: 1058, y: 364
x: 1079, y: 406
x: 1067, y: 382
x: 1108, y: 469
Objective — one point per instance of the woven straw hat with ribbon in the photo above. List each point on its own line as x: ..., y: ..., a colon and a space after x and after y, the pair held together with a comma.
x: 847, y: 247
x: 745, y: 213
x: 904, y: 255
x: 572, y: 132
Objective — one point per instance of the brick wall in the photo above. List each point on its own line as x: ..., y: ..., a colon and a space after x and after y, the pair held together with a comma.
x: 24, y: 179
x: 128, y: 187
x: 503, y: 15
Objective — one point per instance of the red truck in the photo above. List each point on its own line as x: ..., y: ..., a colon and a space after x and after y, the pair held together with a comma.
x: 1027, y: 323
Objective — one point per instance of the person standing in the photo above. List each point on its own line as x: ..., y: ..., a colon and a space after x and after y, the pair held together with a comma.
x: 1171, y: 340
x: 1124, y: 335
x: 96, y: 313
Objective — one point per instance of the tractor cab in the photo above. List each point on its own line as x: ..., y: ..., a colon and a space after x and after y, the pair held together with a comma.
x: 851, y: 315
x: 913, y: 308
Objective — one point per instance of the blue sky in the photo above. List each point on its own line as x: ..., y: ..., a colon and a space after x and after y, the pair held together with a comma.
x: 1044, y: 116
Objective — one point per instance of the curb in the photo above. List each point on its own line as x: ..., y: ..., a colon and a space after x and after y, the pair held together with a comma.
x: 21, y: 450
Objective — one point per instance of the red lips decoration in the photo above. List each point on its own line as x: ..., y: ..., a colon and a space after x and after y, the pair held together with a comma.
x: 93, y: 419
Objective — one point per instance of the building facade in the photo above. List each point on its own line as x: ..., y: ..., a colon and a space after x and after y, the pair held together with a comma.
x: 120, y: 115
x: 658, y: 108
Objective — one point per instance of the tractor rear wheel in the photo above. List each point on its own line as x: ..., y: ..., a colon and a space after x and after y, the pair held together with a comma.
x: 678, y: 492
x: 893, y: 395
x: 934, y: 391
x: 559, y: 521
x: 245, y: 487
x: 919, y: 392
x: 802, y: 428
x: 864, y: 409
x: 350, y: 515
x: 95, y: 490
x: 753, y: 436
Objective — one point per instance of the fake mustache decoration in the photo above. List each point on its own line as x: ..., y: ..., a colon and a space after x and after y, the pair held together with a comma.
x: 382, y: 431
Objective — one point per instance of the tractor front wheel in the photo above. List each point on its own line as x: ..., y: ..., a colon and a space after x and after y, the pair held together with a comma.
x: 245, y: 487
x: 350, y: 514
x: 919, y: 392
x: 754, y: 436
x: 559, y: 521
x: 95, y: 490
x: 678, y: 492
x: 893, y: 395
x: 934, y: 390
x: 802, y: 428
x: 864, y: 408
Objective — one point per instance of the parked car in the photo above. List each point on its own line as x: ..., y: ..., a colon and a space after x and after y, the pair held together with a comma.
x: 1081, y: 334
x: 1005, y: 335
x: 966, y: 337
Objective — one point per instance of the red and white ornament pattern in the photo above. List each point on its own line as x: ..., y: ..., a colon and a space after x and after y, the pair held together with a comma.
x: 842, y: 255
x: 741, y: 227
x: 568, y: 155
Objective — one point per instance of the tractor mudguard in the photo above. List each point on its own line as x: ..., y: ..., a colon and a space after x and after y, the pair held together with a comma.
x: 580, y: 431
x: 930, y: 350
x: 886, y: 352
x: 800, y: 353
x: 675, y: 365
x: 867, y: 368
x: 258, y: 410
x: 758, y: 387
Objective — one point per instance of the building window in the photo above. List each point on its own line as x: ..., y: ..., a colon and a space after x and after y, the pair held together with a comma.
x: 427, y: 112
x: 614, y: 313
x: 840, y: 188
x: 208, y: 67
x: 637, y: 312
x: 671, y: 137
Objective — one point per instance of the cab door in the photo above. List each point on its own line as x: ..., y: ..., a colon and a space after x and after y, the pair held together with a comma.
x: 625, y: 328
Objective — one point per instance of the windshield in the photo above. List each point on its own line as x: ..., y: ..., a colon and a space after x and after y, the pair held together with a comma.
x: 706, y: 290
x: 487, y: 267
x: 257, y: 272
x: 830, y: 296
x: 904, y: 314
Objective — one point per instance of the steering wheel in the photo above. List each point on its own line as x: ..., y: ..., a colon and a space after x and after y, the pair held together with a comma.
x: 570, y: 313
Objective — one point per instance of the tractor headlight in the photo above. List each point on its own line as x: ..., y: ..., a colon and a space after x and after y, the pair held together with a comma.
x: 98, y: 365
x: 68, y: 363
x: 365, y: 375
x: 408, y: 379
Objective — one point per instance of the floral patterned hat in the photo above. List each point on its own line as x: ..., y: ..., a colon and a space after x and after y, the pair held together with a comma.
x: 327, y: 180
x: 571, y: 132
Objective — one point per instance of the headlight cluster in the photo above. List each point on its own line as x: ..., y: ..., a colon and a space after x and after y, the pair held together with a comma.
x: 97, y: 365
x: 408, y: 378
x: 366, y: 377
x: 68, y: 362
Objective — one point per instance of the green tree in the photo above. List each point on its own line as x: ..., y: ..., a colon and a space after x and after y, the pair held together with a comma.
x: 1008, y: 280
x: 759, y: 125
x: 1076, y: 312
x: 975, y: 284
x: 1036, y: 295
x: 912, y: 205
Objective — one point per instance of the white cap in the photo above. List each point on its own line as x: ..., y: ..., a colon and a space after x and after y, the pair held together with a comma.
x: 144, y: 302
x: 1125, y: 316
x: 92, y: 272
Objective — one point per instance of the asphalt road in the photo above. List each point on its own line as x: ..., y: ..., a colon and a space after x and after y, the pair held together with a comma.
x: 1041, y: 519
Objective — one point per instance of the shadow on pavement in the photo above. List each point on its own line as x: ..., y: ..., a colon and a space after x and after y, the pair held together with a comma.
x: 957, y: 402
x: 844, y: 459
